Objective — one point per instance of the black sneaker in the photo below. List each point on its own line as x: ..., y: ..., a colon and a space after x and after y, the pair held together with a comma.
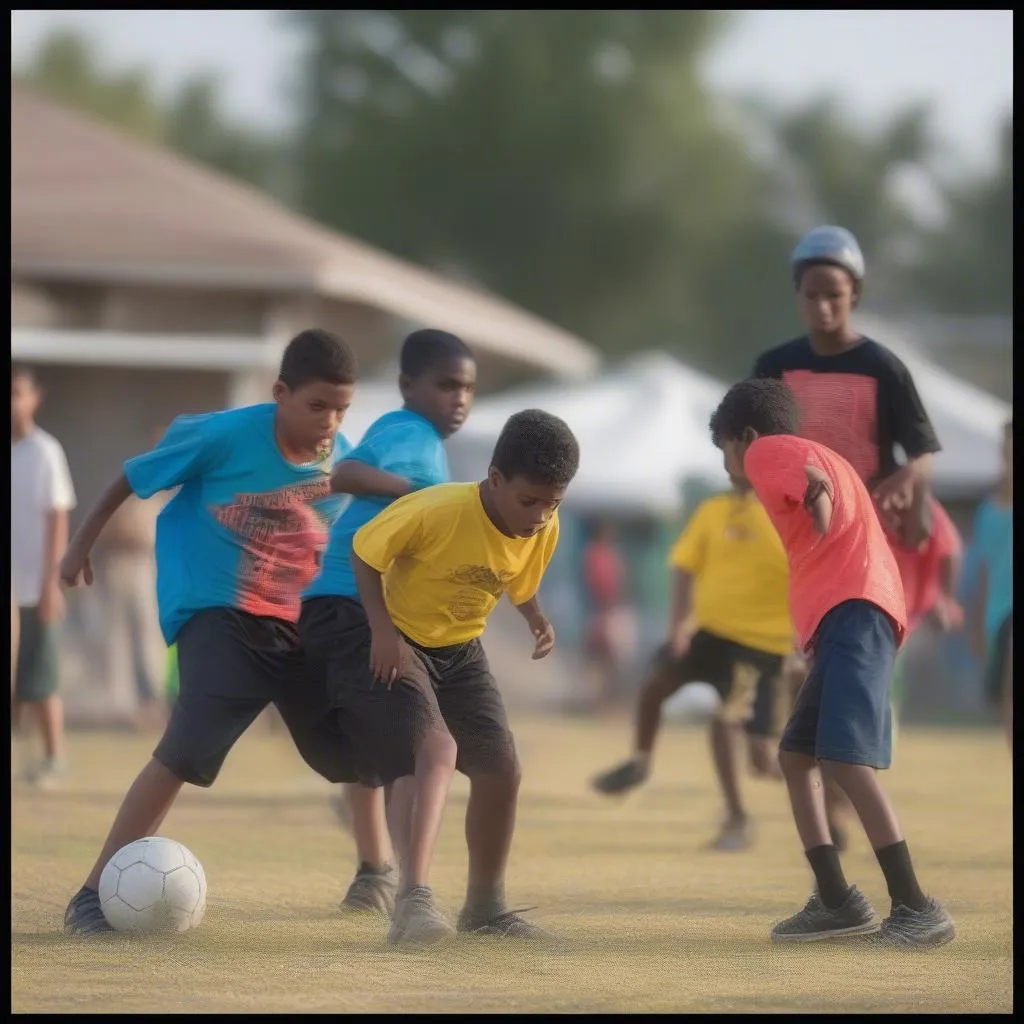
x: 508, y: 924
x: 372, y: 891
x: 855, y: 917
x: 84, y: 915
x: 625, y: 777
x: 916, y: 929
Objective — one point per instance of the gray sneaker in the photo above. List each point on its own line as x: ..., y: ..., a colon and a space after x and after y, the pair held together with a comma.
x: 372, y: 891
x: 84, y: 915
x: 855, y: 917
x: 621, y: 779
x: 417, y: 920
x: 914, y: 929
x: 508, y: 924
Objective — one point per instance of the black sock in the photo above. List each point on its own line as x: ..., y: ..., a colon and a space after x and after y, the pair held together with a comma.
x: 828, y: 873
x: 899, y: 874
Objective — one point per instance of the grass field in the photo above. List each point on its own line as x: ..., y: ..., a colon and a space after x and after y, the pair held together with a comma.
x: 650, y: 922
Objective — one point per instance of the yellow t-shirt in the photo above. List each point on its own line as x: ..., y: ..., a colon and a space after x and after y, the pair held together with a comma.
x: 445, y: 564
x: 740, y: 573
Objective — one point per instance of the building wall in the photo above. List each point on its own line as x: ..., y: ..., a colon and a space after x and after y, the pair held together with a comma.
x: 104, y: 416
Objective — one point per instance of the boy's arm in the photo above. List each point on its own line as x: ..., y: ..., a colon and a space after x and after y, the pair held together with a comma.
x: 540, y: 626
x: 75, y: 566
x: 386, y: 642
x: 682, y: 609
x: 352, y: 476
x: 818, y: 498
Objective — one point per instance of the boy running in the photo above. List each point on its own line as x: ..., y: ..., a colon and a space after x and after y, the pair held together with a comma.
x: 850, y: 616
x: 406, y: 657
x: 406, y: 449
x: 234, y: 548
x: 730, y: 627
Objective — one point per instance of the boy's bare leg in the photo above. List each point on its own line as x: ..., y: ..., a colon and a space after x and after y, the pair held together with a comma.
x: 400, y: 805
x: 141, y: 814
x: 735, y: 834
x: 369, y: 826
x: 838, y: 808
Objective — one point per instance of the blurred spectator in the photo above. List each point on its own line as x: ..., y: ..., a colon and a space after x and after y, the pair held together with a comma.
x: 42, y: 494
x: 610, y: 628
x: 992, y: 618
x: 133, y: 645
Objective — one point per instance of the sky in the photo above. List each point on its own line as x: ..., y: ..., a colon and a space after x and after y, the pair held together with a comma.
x: 878, y: 61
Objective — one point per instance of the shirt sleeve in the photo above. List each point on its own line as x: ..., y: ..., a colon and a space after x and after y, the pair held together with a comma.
x: 912, y: 430
x: 398, y: 530
x: 60, y: 491
x: 775, y: 468
x: 189, y: 448
x: 688, y: 551
x: 527, y: 583
x: 406, y: 453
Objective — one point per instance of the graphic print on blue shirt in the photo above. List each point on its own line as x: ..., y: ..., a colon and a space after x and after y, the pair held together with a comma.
x: 400, y: 442
x: 247, y: 527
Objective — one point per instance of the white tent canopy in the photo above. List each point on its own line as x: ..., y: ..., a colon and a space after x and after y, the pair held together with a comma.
x: 643, y: 431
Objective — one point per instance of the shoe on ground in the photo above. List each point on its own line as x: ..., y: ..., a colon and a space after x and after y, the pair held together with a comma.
x: 372, y: 891
x: 47, y: 775
x: 917, y: 929
x: 736, y: 834
x: 856, y: 916
x: 84, y: 915
x: 509, y: 924
x: 622, y: 778
x: 417, y: 921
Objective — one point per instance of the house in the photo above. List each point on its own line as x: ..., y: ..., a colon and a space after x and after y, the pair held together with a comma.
x: 144, y: 286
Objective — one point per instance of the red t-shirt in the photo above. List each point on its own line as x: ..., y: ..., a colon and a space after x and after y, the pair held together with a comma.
x: 852, y: 561
x: 921, y: 569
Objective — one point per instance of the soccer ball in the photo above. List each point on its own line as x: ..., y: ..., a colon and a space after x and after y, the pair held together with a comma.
x: 153, y: 885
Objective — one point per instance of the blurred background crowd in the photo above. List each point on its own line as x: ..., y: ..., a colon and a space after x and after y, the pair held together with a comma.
x: 573, y: 193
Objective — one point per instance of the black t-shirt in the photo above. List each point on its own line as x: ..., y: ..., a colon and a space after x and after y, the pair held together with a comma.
x: 860, y: 403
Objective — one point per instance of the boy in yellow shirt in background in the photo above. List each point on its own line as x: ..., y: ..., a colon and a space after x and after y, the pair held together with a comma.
x: 730, y: 627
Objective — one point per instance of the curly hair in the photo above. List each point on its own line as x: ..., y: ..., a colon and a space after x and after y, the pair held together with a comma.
x: 763, y: 404
x: 314, y: 355
x: 538, y: 446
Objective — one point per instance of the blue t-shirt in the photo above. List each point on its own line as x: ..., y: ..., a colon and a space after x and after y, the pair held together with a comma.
x: 992, y: 541
x: 400, y: 442
x: 247, y: 528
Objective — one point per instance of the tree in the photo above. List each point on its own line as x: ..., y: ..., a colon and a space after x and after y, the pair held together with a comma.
x: 67, y: 68
x: 569, y: 160
x: 966, y: 266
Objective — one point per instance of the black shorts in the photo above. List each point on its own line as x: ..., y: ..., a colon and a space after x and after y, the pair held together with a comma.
x: 231, y: 665
x: 437, y: 687
x: 995, y: 670
x: 35, y: 676
x: 747, y: 680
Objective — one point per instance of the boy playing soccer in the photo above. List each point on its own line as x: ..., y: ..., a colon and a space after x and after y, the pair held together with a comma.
x: 730, y: 627
x: 849, y: 613
x: 235, y: 547
x: 406, y: 448
x: 406, y: 659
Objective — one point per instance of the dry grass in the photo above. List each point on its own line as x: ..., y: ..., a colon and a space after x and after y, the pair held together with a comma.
x: 650, y: 922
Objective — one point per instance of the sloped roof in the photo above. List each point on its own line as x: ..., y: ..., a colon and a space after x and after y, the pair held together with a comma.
x: 89, y: 202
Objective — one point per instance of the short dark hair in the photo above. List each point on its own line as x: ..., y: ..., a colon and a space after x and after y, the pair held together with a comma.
x: 762, y: 403
x: 24, y: 371
x: 314, y: 355
x: 538, y: 446
x: 425, y: 349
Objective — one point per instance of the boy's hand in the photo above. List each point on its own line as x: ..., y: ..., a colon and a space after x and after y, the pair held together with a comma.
x: 679, y: 641
x: 75, y: 567
x: 896, y: 491
x: 387, y: 649
x: 948, y: 615
x: 543, y: 635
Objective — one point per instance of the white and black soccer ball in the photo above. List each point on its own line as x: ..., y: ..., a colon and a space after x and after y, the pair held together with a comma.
x: 153, y: 885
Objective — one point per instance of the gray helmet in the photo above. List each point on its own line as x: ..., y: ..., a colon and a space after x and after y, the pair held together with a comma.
x: 829, y: 244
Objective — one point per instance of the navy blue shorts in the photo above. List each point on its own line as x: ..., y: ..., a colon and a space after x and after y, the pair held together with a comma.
x: 843, y: 711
